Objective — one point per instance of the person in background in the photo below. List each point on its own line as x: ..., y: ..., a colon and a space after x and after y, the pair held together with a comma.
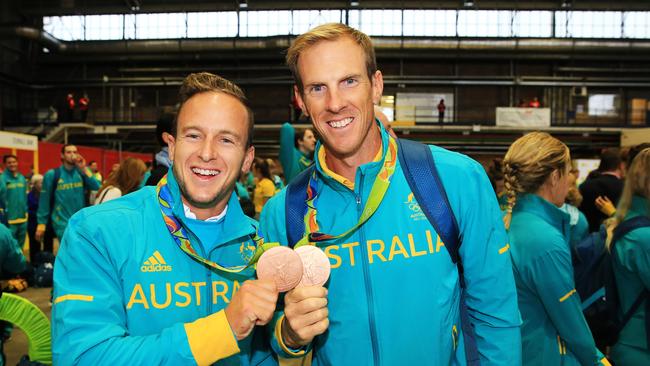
x: 95, y: 171
x: 126, y: 180
x: 606, y: 181
x: 577, y: 220
x: 16, y: 198
x: 276, y: 173
x: 147, y: 174
x: 296, y: 150
x: 264, y: 188
x: 35, y: 187
x: 631, y: 264
x: 162, y: 161
x: 441, y: 111
x: 12, y: 262
x: 62, y: 197
x: 536, y: 177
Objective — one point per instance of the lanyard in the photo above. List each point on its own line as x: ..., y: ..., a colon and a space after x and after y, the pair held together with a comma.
x: 377, y: 192
x: 181, y: 237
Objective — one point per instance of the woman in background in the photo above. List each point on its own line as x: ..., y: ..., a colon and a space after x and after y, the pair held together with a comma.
x: 631, y: 264
x: 264, y: 188
x: 536, y: 179
x: 124, y: 180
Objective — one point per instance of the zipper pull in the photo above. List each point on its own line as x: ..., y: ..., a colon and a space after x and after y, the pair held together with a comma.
x: 358, y: 200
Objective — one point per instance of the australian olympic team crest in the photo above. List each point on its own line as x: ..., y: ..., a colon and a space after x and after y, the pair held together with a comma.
x: 413, y: 205
x: 247, y: 250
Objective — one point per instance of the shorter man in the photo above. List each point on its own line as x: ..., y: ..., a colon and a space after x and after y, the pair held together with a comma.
x: 63, y: 192
x: 296, y: 150
x: 15, y: 198
x: 161, y: 276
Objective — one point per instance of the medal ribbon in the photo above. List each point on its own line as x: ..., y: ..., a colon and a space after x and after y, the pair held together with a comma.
x: 377, y: 192
x: 181, y: 237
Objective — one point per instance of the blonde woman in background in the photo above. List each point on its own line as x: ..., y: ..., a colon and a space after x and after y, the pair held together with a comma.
x: 124, y: 180
x: 264, y: 186
x: 536, y: 179
x: 631, y: 264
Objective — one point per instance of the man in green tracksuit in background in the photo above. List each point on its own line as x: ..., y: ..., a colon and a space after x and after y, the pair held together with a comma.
x: 296, y: 150
x: 68, y: 191
x: 15, y: 198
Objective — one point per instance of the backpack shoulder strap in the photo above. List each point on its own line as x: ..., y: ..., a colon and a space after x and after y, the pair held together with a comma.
x: 629, y: 225
x: 296, y: 207
x: 423, y: 179
x: 55, y: 185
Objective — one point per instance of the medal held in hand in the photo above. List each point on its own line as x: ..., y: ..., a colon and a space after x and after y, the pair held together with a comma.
x: 305, y: 266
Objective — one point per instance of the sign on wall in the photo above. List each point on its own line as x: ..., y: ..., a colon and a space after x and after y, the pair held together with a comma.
x: 523, y: 117
x: 422, y: 108
x: 19, y: 141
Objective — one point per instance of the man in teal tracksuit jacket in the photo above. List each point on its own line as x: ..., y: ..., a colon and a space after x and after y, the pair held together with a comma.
x: 393, y: 297
x: 69, y: 195
x: 394, y: 292
x: 295, y: 153
x: 153, y: 277
x: 16, y: 199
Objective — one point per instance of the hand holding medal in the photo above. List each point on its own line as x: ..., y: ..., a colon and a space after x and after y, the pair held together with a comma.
x: 301, y: 272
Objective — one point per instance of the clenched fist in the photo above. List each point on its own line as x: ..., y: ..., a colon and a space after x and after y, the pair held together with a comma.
x: 253, y: 304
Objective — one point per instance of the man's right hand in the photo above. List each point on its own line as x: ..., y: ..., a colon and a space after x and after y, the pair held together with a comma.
x: 305, y: 315
x: 40, y: 231
x: 253, y: 304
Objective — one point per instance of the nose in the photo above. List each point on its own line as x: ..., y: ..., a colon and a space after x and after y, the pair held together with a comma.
x: 335, y: 101
x: 208, y: 150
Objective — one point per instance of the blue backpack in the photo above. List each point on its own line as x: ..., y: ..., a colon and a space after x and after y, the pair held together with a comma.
x: 596, y: 284
x: 422, y: 177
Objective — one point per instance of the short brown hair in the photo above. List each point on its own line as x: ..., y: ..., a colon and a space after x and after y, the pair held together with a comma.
x: 329, y: 32
x: 203, y: 82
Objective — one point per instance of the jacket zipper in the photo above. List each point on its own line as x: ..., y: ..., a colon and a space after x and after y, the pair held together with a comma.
x: 208, y: 284
x: 368, y: 282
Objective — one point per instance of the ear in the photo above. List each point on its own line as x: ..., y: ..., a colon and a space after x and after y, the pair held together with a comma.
x: 248, y: 160
x: 301, y: 103
x: 171, y: 144
x: 555, y: 177
x: 166, y: 136
x: 377, y: 87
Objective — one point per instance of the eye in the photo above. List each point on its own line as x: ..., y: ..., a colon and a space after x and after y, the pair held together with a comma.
x: 316, y: 90
x: 350, y: 82
x: 192, y: 136
x: 227, y: 140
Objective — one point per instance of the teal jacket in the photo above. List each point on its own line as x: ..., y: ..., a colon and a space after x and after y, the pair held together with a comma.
x: 578, y: 223
x: 394, y: 293
x: 293, y: 160
x: 11, y: 255
x: 126, y: 294
x: 632, y: 272
x: 69, y: 197
x: 554, y: 331
x: 16, y: 197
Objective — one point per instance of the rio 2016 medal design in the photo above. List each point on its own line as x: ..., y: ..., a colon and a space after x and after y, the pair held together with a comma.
x: 315, y: 264
x: 282, y: 265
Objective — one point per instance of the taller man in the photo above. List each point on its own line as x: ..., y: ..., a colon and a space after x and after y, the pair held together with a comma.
x: 394, y: 293
x: 16, y: 199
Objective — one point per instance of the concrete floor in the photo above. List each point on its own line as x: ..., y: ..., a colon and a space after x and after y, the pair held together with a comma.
x: 16, y: 346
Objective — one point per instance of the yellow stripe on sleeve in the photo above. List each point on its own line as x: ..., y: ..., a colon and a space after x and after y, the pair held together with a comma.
x: 278, y: 335
x: 202, y: 333
x: 567, y: 295
x: 504, y: 249
x: 73, y: 297
x: 605, y: 362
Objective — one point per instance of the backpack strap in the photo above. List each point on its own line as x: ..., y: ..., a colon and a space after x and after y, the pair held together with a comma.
x: 55, y: 185
x: 296, y: 207
x: 422, y: 176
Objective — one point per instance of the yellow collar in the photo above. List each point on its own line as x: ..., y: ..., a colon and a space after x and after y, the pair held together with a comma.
x: 339, y: 178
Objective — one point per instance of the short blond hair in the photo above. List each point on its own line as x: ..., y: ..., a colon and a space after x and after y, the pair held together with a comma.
x: 329, y: 32
x: 529, y: 162
x: 203, y: 82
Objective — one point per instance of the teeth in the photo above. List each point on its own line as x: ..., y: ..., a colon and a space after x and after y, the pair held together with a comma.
x: 342, y: 123
x: 205, y: 171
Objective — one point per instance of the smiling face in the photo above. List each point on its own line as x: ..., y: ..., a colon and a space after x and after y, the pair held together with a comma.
x: 338, y: 95
x: 210, y: 151
x: 11, y: 164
